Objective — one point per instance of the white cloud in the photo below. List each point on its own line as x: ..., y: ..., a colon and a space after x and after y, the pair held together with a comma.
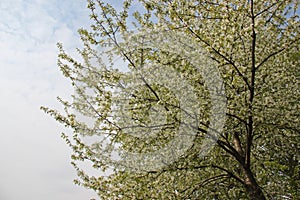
x: 34, y: 159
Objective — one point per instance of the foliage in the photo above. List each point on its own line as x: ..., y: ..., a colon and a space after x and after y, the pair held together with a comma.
x: 255, y: 46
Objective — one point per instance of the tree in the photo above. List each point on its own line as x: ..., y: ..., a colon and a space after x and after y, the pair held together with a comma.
x: 254, y: 46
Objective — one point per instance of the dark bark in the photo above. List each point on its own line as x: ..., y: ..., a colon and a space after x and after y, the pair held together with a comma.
x: 252, y: 187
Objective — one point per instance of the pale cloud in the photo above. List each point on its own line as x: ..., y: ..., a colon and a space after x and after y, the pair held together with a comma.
x: 35, y: 161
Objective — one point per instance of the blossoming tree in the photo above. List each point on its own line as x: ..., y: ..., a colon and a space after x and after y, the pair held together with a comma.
x: 204, y: 105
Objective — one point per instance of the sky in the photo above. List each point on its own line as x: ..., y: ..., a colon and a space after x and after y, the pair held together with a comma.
x: 34, y: 160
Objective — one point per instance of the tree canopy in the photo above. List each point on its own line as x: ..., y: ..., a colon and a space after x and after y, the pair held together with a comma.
x: 204, y: 105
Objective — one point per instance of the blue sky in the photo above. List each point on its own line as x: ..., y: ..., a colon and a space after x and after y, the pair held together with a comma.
x: 35, y: 161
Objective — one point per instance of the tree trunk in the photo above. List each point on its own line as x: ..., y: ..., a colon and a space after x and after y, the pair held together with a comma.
x: 253, y: 189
